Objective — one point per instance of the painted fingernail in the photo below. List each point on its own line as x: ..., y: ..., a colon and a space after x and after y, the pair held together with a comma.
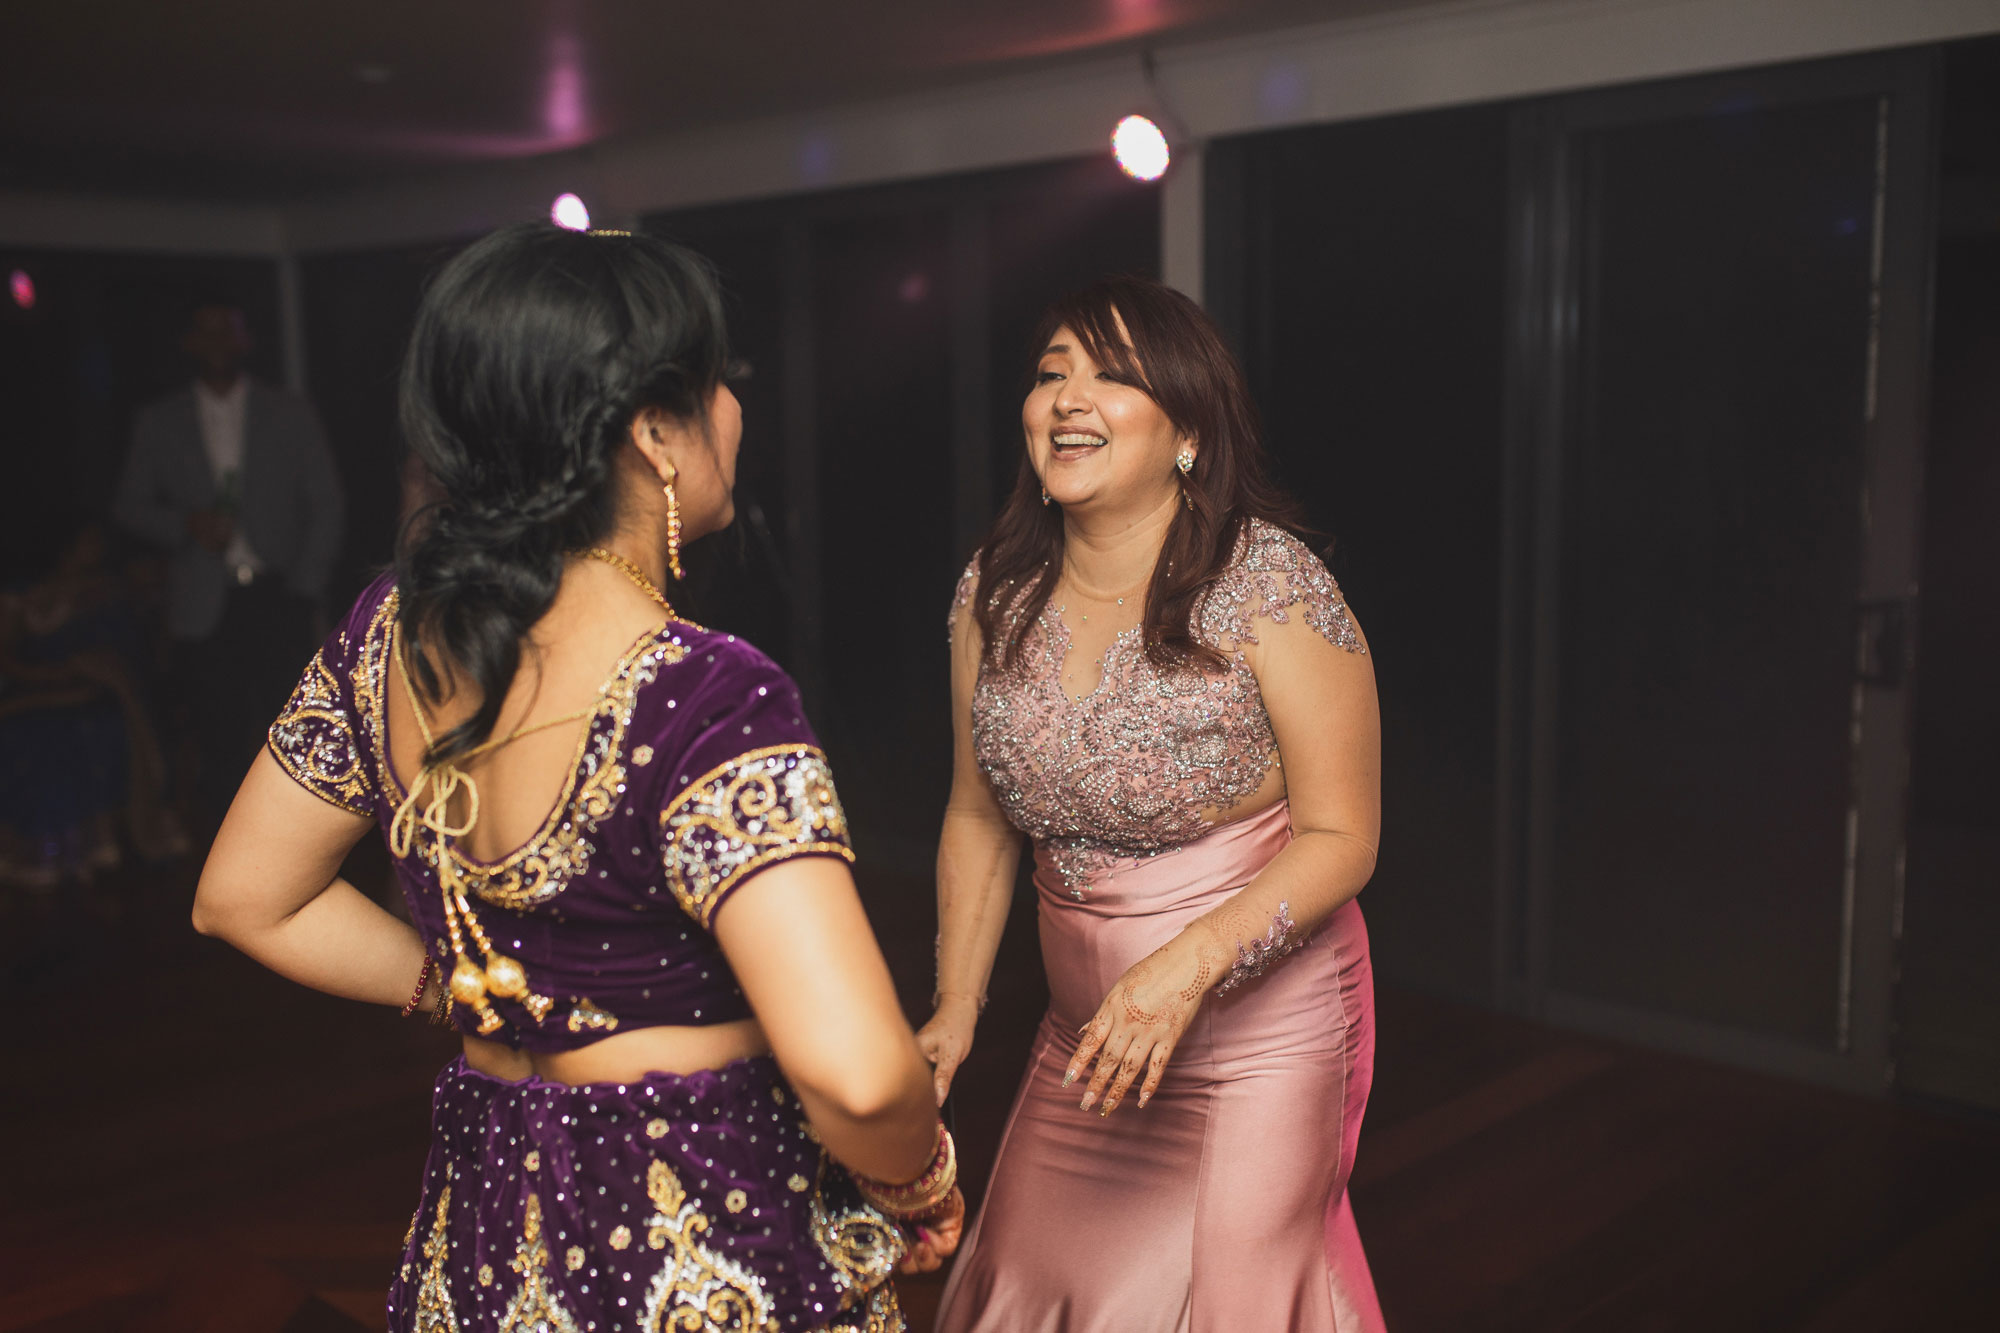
x: 1069, y: 1078
x: 1085, y: 1103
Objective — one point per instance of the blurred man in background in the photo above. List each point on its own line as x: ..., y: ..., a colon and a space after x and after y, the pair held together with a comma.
x: 233, y: 477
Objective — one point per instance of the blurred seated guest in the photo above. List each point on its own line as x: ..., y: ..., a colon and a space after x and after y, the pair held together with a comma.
x: 77, y: 748
x: 233, y: 478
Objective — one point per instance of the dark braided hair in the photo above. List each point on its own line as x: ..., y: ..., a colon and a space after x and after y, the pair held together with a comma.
x: 534, y: 350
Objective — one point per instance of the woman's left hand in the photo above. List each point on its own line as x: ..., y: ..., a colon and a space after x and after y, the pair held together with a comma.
x: 1142, y: 1019
x: 934, y: 1239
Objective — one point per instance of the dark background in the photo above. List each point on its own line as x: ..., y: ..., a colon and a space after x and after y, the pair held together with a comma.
x: 1707, y: 534
x: 1608, y: 406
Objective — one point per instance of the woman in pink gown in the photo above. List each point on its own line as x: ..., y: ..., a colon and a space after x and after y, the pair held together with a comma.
x: 1158, y: 682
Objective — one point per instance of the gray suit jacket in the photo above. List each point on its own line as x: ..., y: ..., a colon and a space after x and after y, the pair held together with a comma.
x: 290, y: 503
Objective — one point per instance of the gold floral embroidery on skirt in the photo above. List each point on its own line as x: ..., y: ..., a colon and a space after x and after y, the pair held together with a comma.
x: 862, y: 1245
x: 535, y: 1308
x: 880, y: 1313
x: 696, y: 1289
x: 434, y: 1309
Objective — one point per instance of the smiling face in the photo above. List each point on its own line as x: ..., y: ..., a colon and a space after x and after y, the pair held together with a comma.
x: 1098, y: 441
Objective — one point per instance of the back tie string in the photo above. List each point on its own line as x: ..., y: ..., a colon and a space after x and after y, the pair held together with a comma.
x: 470, y: 982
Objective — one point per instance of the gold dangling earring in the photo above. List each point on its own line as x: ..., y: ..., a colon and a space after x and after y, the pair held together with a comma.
x: 1045, y: 495
x: 1185, y: 462
x: 670, y: 476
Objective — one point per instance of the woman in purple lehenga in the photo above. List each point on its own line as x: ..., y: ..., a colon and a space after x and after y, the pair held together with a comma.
x: 622, y: 850
x: 1156, y: 680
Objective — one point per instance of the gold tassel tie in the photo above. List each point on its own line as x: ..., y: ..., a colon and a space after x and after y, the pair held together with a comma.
x: 470, y: 982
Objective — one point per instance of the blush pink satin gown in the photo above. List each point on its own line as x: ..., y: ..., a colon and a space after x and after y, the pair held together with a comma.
x: 1222, y: 1206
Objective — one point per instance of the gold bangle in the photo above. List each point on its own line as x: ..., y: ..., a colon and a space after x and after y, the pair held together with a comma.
x: 916, y: 1199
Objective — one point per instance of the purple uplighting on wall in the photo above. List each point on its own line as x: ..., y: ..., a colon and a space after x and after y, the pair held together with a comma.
x: 564, y: 114
x: 22, y: 288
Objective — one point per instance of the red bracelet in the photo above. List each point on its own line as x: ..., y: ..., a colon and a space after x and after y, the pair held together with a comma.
x: 423, y: 980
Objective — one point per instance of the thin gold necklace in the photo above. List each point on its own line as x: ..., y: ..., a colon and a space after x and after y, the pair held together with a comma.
x: 637, y: 575
x: 1077, y: 589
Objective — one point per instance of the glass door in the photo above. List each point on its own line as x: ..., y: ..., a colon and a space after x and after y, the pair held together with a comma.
x: 1720, y: 287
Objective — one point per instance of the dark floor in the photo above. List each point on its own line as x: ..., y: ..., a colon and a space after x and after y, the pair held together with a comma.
x: 193, y: 1144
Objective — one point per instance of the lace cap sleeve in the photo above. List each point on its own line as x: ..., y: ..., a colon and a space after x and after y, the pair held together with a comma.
x: 317, y: 737
x: 1274, y: 573
x: 961, y: 597
x: 751, y: 789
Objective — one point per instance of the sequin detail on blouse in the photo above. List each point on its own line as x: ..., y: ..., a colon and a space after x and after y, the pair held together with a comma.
x: 1136, y: 767
x: 314, y: 741
x: 754, y: 811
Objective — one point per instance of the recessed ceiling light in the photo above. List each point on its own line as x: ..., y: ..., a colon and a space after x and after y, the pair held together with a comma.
x: 569, y: 211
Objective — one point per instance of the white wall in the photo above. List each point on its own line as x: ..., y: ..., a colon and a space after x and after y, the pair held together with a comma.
x: 106, y: 222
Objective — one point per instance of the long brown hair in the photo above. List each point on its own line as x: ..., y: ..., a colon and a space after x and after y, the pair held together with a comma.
x: 1176, y: 356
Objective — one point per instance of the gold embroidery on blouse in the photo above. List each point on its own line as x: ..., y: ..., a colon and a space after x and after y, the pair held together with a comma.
x: 534, y: 1308
x: 759, y: 808
x: 560, y: 852
x: 586, y: 1015
x: 696, y: 1289
x: 862, y: 1245
x: 313, y: 740
x: 434, y: 1309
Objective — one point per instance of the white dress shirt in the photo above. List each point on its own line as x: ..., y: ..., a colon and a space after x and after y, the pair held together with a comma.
x: 221, y: 418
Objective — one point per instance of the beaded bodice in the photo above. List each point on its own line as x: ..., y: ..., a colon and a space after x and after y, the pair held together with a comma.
x: 1151, y: 758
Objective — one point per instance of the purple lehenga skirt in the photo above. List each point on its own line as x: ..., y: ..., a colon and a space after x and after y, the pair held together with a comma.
x: 696, y: 1201
x: 1221, y: 1206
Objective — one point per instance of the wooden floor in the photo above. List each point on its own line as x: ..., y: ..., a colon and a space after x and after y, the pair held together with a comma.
x: 191, y: 1144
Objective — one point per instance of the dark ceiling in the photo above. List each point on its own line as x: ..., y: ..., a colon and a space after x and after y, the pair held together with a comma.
x: 268, y: 100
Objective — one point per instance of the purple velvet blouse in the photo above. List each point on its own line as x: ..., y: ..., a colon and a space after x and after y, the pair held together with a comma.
x: 696, y: 771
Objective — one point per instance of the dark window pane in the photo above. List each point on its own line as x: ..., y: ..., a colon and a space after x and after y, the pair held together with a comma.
x: 1375, y: 263
x: 1711, y: 552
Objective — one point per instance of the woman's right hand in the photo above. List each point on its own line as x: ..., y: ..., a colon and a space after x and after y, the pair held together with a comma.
x: 947, y: 1039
